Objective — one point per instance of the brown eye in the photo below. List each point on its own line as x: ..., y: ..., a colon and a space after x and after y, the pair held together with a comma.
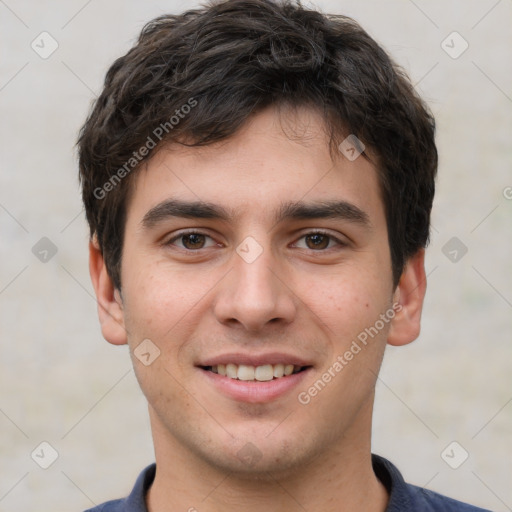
x: 193, y: 241
x: 317, y: 241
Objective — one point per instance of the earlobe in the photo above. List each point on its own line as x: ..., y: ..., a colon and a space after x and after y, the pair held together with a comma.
x: 409, y: 296
x: 110, y: 306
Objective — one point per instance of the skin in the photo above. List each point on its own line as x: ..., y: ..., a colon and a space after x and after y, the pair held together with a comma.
x: 293, y: 298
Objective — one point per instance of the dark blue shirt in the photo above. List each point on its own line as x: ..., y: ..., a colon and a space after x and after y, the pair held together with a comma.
x: 403, y: 497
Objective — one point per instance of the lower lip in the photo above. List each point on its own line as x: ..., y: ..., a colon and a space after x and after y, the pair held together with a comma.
x: 255, y: 391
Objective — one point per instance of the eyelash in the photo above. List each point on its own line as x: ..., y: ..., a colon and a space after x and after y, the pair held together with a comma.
x: 316, y: 232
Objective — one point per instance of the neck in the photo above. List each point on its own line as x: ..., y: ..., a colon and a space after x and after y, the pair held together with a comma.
x: 340, y: 480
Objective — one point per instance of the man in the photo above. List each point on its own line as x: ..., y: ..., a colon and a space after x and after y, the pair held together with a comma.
x: 258, y: 180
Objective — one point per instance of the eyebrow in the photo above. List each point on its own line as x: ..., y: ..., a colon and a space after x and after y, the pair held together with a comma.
x: 329, y: 209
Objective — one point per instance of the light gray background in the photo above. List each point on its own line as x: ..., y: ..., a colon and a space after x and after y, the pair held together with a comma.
x: 60, y: 382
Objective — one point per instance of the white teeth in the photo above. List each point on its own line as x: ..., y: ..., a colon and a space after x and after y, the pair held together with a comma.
x: 262, y: 373
x: 231, y: 370
x: 278, y: 370
x: 245, y: 372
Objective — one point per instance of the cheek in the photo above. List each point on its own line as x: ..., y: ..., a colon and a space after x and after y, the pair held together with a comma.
x: 160, y: 306
x: 349, y: 300
x: 167, y: 305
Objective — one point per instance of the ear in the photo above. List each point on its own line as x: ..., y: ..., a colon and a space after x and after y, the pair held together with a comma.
x: 408, y: 300
x: 110, y: 305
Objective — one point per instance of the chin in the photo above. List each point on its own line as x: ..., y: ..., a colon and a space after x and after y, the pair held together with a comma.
x: 262, y: 453
x: 261, y: 463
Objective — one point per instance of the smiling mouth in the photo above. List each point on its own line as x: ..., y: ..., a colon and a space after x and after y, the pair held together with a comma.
x: 262, y: 373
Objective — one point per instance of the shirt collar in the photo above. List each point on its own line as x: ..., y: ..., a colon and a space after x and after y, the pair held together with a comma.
x: 387, y: 473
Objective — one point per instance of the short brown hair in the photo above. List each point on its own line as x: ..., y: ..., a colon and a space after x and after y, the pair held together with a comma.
x: 198, y: 76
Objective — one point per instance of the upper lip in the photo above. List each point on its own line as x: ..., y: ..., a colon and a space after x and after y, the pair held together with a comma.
x: 255, y: 359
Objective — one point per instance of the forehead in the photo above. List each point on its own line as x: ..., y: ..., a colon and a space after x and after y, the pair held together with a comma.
x: 277, y: 158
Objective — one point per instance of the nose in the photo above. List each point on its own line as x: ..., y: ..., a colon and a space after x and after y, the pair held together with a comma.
x: 255, y: 294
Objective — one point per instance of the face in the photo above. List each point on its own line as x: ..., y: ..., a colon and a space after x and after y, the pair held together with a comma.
x: 255, y: 267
